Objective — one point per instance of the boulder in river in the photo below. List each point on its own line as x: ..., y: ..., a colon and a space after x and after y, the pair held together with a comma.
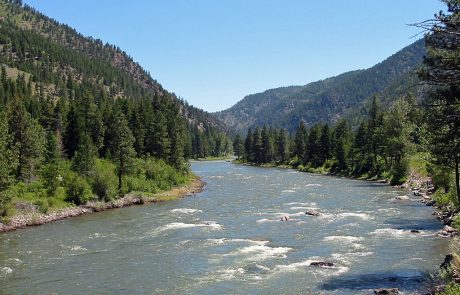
x: 391, y: 291
x: 321, y: 263
x: 402, y: 198
x: 415, y: 231
x: 312, y: 213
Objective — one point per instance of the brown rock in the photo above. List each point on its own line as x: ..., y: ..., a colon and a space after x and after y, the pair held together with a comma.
x: 390, y: 291
x: 312, y: 213
x: 321, y: 263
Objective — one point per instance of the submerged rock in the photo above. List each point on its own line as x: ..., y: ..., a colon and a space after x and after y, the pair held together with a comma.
x: 312, y: 213
x: 401, y: 198
x: 430, y: 203
x: 321, y: 263
x: 390, y: 291
x: 447, y: 261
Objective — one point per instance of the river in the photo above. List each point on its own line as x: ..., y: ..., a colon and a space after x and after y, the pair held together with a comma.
x: 229, y: 240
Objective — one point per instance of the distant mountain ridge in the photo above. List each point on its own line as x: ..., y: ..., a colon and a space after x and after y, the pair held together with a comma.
x: 329, y: 99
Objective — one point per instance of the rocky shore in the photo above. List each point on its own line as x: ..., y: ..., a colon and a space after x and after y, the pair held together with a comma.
x: 34, y: 218
x: 423, y: 187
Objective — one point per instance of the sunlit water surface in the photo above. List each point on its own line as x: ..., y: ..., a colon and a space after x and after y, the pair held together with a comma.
x: 229, y: 240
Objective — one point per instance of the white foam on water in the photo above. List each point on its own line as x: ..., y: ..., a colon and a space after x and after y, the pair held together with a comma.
x: 389, y: 231
x: 262, y: 267
x: 359, y: 246
x: 387, y: 210
x: 230, y: 273
x: 400, y: 233
x: 293, y: 266
x: 288, y: 191
x: 263, y: 220
x: 342, y: 239
x: 300, y: 204
x: 181, y: 225
x: 260, y: 252
x: 313, y: 184
x: 216, y: 176
x: 15, y: 260
x: 303, y: 208
x: 77, y: 248
x: 328, y: 216
x: 185, y: 210
x: 306, y: 264
x: 4, y: 271
x: 222, y: 241
x: 352, y: 214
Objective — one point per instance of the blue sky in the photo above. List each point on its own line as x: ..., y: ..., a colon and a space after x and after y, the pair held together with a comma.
x: 212, y: 53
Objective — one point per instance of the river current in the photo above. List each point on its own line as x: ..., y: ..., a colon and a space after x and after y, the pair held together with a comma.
x: 230, y: 239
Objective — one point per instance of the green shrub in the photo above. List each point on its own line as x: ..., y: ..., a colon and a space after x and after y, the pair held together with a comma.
x: 138, y: 184
x: 42, y: 205
x: 328, y: 164
x: 104, y: 181
x: 441, y: 176
x: 78, y: 190
x: 295, y: 162
x: 451, y: 289
x: 444, y: 199
x: 5, y: 201
x: 456, y: 222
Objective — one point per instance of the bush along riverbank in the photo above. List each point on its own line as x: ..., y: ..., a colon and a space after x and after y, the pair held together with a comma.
x: 149, y: 181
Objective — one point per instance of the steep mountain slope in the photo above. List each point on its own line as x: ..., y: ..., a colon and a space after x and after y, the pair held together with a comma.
x: 114, y: 68
x: 57, y: 63
x: 329, y: 99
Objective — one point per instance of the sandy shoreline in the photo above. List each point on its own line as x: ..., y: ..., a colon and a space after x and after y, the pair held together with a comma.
x: 35, y: 219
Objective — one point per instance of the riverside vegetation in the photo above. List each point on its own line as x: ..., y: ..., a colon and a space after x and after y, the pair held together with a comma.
x: 81, y: 121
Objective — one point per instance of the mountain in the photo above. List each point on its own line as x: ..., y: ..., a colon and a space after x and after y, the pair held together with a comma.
x: 60, y: 64
x: 330, y: 99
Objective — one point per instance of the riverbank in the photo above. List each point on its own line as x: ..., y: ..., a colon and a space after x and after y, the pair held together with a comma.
x: 35, y: 218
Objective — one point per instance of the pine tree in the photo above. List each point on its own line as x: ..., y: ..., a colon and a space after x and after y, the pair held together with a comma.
x: 340, y: 146
x: 72, y: 133
x: 123, y: 152
x: 248, y: 146
x: 324, y: 152
x: 238, y: 146
x: 8, y: 158
x: 27, y: 138
x: 300, y: 140
x: 85, y: 156
x: 50, y: 170
x: 257, y: 146
x: 267, y: 146
x: 282, y: 146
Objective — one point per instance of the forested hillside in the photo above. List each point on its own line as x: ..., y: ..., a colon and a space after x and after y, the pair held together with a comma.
x: 81, y: 120
x: 329, y: 100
